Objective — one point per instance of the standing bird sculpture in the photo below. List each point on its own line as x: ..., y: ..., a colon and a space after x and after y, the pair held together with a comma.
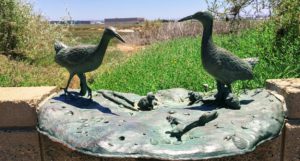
x: 81, y: 59
x: 220, y: 63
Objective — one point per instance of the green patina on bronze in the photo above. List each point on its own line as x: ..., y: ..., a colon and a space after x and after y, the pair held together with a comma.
x: 225, y: 67
x: 81, y: 59
x: 113, y: 124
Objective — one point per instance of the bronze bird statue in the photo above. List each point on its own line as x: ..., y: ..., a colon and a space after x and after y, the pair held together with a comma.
x: 225, y: 67
x: 81, y: 59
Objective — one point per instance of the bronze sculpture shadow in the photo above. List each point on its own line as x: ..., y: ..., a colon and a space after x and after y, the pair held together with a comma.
x: 74, y: 99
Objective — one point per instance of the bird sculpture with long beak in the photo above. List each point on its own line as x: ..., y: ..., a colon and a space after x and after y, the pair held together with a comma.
x: 81, y: 59
x: 220, y: 63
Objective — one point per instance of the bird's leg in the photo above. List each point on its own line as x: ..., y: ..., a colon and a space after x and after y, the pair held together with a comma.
x: 244, y: 86
x: 84, y: 86
x: 220, y: 94
x: 89, y: 92
x: 227, y: 91
x: 69, y: 81
x: 229, y: 88
x: 231, y: 100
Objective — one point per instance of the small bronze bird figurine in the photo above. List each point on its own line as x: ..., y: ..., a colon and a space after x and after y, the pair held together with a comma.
x: 147, y: 103
x: 225, y: 67
x: 81, y: 59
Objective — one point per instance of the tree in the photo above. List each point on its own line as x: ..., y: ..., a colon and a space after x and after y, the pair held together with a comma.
x: 234, y: 8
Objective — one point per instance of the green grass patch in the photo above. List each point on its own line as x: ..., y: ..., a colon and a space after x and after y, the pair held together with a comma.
x: 177, y: 63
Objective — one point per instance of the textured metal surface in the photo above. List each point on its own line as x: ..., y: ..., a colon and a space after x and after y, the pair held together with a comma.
x: 103, y: 128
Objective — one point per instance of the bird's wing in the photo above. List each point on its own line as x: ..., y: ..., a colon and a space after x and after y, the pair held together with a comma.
x: 75, y: 55
x: 232, y: 67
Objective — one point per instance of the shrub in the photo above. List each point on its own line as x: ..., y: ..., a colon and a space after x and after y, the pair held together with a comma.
x: 25, y: 33
x: 287, y: 18
x: 287, y: 25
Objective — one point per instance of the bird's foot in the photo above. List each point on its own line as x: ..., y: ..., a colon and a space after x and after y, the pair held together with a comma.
x: 194, y: 97
x: 90, y: 94
x: 227, y: 100
x: 82, y: 92
x: 219, y: 99
x: 232, y: 102
x: 67, y: 94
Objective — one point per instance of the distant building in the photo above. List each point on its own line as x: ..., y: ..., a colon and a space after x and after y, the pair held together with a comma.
x: 77, y: 22
x: 115, y: 21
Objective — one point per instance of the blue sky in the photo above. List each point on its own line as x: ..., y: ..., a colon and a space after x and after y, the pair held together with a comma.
x: 100, y: 9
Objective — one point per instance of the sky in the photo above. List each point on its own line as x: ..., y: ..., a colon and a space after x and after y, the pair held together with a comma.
x: 100, y: 9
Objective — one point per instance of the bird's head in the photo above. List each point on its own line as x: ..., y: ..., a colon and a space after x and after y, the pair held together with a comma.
x: 112, y: 32
x: 59, y: 45
x: 151, y: 97
x: 204, y: 17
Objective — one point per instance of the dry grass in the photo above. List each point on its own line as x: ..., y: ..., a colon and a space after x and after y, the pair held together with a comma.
x: 152, y: 32
x: 40, y: 35
x: 156, y: 31
x: 19, y: 73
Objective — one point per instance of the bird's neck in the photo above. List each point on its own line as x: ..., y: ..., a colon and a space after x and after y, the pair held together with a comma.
x: 101, y: 48
x: 207, y: 41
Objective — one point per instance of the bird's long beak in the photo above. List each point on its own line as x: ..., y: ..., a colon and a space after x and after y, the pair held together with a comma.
x: 120, y: 38
x: 186, y: 18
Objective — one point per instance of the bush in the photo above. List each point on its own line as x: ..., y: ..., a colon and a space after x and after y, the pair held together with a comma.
x: 287, y: 18
x: 10, y: 18
x: 25, y: 33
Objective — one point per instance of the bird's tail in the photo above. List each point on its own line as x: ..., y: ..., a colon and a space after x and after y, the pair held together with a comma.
x: 58, y: 46
x: 252, y: 61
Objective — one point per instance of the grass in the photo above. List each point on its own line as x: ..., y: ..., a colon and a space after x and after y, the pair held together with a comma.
x: 45, y: 72
x: 37, y: 66
x: 19, y: 73
x: 177, y: 63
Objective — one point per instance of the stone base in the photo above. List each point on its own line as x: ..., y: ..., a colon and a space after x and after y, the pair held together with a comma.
x: 19, y: 140
x: 292, y: 141
x: 290, y: 90
x: 19, y: 145
x: 53, y: 151
x: 18, y: 114
x: 18, y: 105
